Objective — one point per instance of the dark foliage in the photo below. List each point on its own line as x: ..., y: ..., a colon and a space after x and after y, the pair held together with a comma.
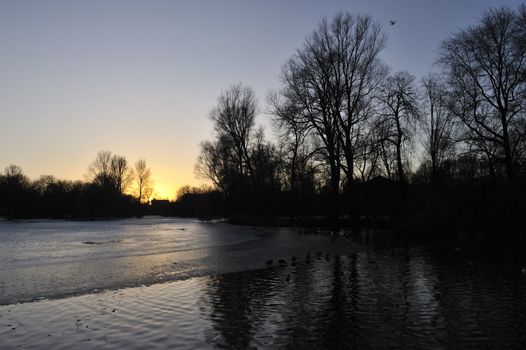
x: 51, y: 198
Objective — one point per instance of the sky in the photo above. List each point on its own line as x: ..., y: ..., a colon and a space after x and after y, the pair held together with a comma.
x: 139, y: 78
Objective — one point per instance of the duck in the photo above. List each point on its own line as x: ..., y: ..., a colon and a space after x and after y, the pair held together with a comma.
x: 282, y: 262
x: 269, y: 262
x: 293, y: 261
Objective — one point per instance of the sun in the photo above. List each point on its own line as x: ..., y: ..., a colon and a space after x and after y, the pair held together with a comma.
x: 162, y: 192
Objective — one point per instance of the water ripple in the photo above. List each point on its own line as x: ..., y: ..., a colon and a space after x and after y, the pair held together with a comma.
x: 376, y: 298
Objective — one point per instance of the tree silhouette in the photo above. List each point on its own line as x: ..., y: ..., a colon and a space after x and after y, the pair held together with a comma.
x: 437, y: 124
x: 143, y: 181
x: 486, y: 66
x: 399, y: 114
x: 110, y: 172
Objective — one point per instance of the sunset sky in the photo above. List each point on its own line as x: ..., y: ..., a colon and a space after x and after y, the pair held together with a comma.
x: 138, y: 78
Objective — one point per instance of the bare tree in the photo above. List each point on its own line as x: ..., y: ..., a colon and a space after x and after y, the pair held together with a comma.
x: 217, y: 163
x: 293, y: 137
x: 354, y: 44
x: 385, y: 148
x: 234, y: 118
x: 330, y: 84
x: 121, y: 173
x: 486, y: 64
x: 14, y: 177
x: 367, y: 154
x: 100, y: 169
x: 437, y: 123
x: 43, y: 183
x: 399, y: 116
x: 110, y: 172
x: 143, y: 181
x: 310, y: 88
x: 267, y: 164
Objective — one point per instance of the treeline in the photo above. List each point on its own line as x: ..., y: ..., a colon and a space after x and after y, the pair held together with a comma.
x: 357, y: 139
x: 113, y: 189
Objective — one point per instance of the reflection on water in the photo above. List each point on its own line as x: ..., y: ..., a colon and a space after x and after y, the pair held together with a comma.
x: 57, y: 258
x: 376, y: 298
x: 395, y: 298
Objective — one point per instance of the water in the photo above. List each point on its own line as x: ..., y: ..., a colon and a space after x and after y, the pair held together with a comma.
x: 375, y: 293
x: 48, y: 242
x: 50, y: 259
x: 55, y: 258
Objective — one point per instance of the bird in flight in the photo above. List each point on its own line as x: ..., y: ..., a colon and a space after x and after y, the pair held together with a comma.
x: 392, y: 22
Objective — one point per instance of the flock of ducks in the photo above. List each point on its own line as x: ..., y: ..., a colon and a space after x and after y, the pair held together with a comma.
x: 293, y: 260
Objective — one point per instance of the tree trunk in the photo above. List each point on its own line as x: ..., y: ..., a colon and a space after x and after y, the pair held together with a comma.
x: 401, y: 177
x: 508, y: 158
x: 433, y: 168
x: 349, y: 158
x: 334, y: 213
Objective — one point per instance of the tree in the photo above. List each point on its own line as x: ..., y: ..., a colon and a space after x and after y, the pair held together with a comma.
x: 43, y: 183
x: 386, y: 151
x: 143, y: 182
x: 267, y: 164
x: 216, y: 162
x: 234, y: 118
x: 437, y: 124
x: 100, y: 169
x: 354, y: 44
x: 400, y: 113
x: 293, y: 137
x: 121, y: 174
x: 228, y: 160
x: 367, y: 154
x: 330, y: 85
x: 110, y: 172
x: 310, y: 88
x: 14, y: 191
x: 486, y: 66
x: 14, y: 177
